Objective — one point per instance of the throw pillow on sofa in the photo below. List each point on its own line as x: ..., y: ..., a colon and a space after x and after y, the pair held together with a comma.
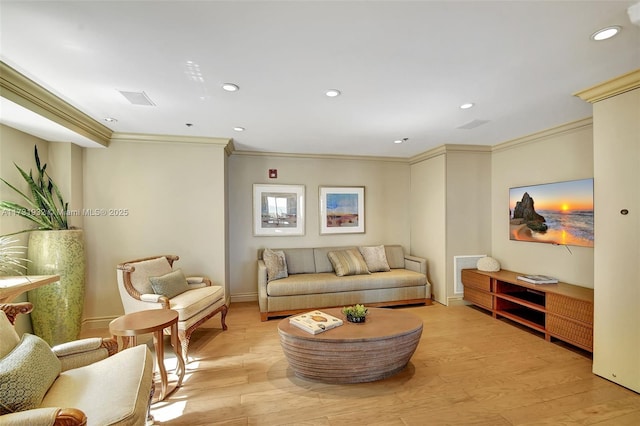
x: 348, y: 262
x: 276, y: 264
x: 375, y: 258
x: 26, y: 374
x: 171, y: 284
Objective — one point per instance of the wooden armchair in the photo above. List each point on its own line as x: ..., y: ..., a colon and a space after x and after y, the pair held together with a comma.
x: 196, y: 301
x: 82, y: 382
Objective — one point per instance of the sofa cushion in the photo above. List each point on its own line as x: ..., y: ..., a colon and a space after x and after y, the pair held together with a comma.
x: 300, y: 260
x: 26, y: 374
x: 328, y: 282
x: 112, y: 391
x: 348, y: 262
x: 321, y: 258
x: 148, y: 268
x: 171, y: 284
x: 193, y: 301
x: 8, y: 336
x: 395, y: 256
x: 376, y: 258
x: 276, y: 264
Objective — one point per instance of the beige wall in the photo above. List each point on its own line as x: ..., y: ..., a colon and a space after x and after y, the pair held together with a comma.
x: 617, y: 246
x: 468, y: 190
x: 387, y: 203
x: 428, y: 220
x: 173, y: 194
x: 564, y: 153
x: 65, y: 162
x: 450, y: 189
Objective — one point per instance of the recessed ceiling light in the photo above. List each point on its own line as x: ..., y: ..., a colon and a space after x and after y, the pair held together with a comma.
x: 332, y: 93
x: 398, y: 141
x: 110, y: 120
x: 230, y: 87
x: 606, y: 33
x: 239, y: 129
x: 466, y: 106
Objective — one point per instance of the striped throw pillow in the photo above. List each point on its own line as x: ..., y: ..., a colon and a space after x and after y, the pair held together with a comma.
x: 348, y: 262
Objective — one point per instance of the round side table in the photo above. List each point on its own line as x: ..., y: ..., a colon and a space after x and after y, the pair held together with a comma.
x: 128, y: 327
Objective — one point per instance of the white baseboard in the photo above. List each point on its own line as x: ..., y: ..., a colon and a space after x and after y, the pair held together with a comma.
x: 97, y: 322
x: 457, y: 301
x: 244, y: 297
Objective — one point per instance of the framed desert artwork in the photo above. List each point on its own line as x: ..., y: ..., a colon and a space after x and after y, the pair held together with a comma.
x: 278, y: 210
x: 341, y: 209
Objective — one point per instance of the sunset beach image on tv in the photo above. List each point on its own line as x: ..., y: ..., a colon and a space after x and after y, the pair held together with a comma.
x: 555, y: 213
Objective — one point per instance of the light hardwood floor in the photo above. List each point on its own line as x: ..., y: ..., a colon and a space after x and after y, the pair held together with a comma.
x: 468, y: 369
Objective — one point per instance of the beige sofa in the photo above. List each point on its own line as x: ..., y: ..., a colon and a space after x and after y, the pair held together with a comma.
x: 312, y: 282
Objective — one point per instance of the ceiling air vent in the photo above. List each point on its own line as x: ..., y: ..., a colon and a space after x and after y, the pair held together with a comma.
x: 138, y: 98
x: 473, y: 124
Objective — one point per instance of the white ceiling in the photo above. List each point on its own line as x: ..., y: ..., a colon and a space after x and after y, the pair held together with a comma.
x: 404, y: 68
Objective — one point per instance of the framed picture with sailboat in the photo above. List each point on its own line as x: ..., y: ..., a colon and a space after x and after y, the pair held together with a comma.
x: 278, y: 210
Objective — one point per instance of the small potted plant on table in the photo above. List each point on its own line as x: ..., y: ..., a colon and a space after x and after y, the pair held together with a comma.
x: 357, y: 313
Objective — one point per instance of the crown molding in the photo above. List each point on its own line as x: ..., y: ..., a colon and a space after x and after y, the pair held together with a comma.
x: 449, y: 148
x: 151, y: 138
x: 320, y: 156
x: 610, y: 88
x: 544, y: 134
x: 230, y: 148
x: 21, y: 90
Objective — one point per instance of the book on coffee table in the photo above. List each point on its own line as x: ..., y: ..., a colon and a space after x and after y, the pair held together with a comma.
x: 537, y: 279
x: 315, y: 322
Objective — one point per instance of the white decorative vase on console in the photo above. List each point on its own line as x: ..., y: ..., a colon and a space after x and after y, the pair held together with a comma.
x: 57, y: 313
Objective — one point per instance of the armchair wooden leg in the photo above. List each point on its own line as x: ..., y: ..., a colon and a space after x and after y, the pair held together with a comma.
x: 223, y: 316
x: 184, y: 338
x: 150, y: 421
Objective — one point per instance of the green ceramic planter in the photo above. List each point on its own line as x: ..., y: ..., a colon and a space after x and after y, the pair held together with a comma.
x: 57, y: 307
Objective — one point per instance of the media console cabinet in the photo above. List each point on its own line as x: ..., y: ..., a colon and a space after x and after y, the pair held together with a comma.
x: 562, y: 311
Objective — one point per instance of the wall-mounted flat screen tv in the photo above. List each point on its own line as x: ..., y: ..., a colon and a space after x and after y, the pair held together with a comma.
x: 555, y: 213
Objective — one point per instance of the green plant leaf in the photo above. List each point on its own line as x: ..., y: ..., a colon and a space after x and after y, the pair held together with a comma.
x: 47, y: 208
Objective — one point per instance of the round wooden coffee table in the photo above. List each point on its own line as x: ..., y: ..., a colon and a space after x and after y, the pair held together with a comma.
x: 129, y: 326
x: 353, y: 353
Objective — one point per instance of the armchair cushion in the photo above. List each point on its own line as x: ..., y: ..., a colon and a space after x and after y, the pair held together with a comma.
x: 171, y: 284
x: 148, y: 268
x: 112, y: 391
x: 26, y: 373
x: 8, y: 336
x: 192, y: 302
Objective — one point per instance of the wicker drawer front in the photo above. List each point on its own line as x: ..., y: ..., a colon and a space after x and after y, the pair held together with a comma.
x: 570, y: 331
x: 479, y: 298
x: 471, y: 278
x: 572, y: 308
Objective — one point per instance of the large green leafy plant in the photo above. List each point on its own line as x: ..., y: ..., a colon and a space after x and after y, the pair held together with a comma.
x: 10, y: 262
x: 44, y: 205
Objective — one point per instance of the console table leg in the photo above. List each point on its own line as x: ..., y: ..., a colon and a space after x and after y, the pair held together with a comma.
x: 158, y: 343
x: 177, y: 347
